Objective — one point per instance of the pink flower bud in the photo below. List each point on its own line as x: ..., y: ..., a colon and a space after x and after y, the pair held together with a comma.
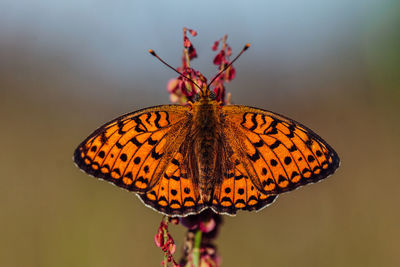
x: 207, y: 226
x: 192, y: 52
x: 192, y: 32
x: 231, y: 74
x: 172, y: 85
x: 215, y: 46
x: 171, y: 248
x: 159, y: 239
x: 219, y: 58
x: 186, y: 42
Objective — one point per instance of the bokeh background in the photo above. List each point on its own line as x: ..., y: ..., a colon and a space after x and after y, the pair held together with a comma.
x: 66, y: 67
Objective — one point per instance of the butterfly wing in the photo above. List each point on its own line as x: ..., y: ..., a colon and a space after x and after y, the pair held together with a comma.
x: 134, y: 150
x: 175, y: 194
x: 237, y: 191
x: 277, y: 154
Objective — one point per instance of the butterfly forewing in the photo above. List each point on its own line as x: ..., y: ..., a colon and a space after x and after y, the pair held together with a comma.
x: 278, y: 153
x: 134, y: 150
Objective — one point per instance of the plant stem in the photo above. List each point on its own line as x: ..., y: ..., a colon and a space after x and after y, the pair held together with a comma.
x: 196, y: 249
x: 165, y: 219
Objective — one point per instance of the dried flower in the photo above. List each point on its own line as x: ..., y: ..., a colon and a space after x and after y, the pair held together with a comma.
x: 165, y: 241
x: 182, y: 89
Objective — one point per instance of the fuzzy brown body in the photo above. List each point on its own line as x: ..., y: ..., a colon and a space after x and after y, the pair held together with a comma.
x: 207, y: 147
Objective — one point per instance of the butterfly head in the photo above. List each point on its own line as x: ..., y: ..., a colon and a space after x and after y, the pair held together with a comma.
x: 205, y: 94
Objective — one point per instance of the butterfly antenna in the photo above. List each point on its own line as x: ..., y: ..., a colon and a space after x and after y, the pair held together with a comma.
x: 151, y: 51
x: 227, y: 66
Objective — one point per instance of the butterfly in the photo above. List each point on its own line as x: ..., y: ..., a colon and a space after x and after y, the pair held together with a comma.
x: 182, y: 159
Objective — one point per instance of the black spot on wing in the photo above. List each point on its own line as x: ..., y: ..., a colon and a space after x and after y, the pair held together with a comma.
x: 259, y: 143
x: 308, y: 143
x: 263, y: 119
x: 138, y: 124
x: 148, y: 118
x: 244, y: 119
x: 120, y: 125
x: 275, y: 144
x: 239, y: 177
x: 227, y: 199
x: 272, y: 128
x: 101, y: 154
x: 157, y: 120
x: 254, y: 121
x: 135, y: 141
x: 167, y: 118
x: 103, y: 138
x: 137, y: 160
x: 254, y: 157
x: 281, y: 179
x: 151, y: 142
x: 156, y: 155
x: 175, y: 162
x: 174, y: 177
x: 123, y: 157
x: 146, y: 169
x: 143, y: 180
x: 288, y: 160
x: 294, y: 174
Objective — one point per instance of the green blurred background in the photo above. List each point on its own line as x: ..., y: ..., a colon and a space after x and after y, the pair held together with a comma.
x: 66, y: 67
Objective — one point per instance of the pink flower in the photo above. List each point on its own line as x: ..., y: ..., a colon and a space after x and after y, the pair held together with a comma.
x: 215, y: 46
x: 165, y: 241
x: 184, y: 88
x: 219, y: 58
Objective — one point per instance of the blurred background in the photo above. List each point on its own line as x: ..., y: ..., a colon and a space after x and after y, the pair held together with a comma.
x: 66, y: 67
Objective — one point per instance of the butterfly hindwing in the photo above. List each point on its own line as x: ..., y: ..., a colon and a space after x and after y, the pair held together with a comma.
x: 133, y: 150
x: 237, y: 191
x: 278, y: 153
x: 175, y: 193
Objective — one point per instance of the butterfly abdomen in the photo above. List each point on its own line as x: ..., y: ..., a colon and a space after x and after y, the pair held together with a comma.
x: 205, y: 122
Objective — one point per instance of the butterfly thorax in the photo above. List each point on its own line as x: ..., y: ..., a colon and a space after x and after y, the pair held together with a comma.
x: 206, y: 144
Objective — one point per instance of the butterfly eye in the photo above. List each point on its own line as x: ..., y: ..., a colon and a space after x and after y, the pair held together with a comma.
x: 197, y: 97
x: 213, y: 96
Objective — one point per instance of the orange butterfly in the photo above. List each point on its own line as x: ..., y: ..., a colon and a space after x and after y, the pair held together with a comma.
x: 181, y: 159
